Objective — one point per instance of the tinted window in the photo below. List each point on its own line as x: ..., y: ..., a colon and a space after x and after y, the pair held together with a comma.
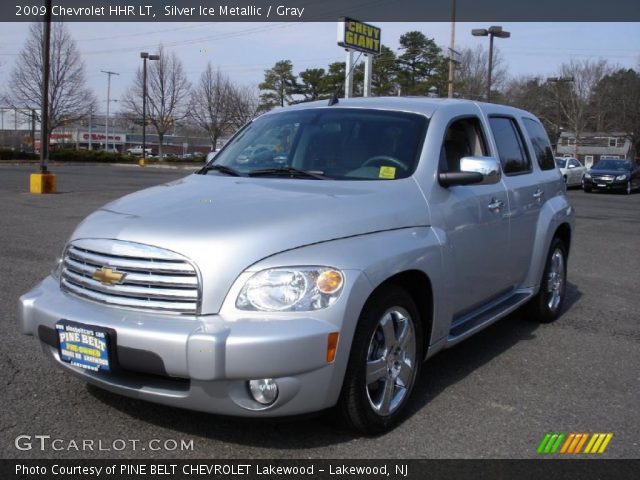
x: 541, y: 144
x: 341, y: 143
x: 513, y: 156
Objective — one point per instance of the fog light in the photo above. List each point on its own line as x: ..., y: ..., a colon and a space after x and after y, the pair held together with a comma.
x: 264, y: 391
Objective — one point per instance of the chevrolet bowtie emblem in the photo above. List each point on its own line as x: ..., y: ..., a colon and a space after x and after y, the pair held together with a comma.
x: 106, y: 276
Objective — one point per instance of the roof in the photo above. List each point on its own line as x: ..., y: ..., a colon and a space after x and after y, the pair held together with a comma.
x: 425, y: 105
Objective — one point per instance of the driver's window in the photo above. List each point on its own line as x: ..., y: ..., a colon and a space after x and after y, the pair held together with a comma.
x: 463, y: 138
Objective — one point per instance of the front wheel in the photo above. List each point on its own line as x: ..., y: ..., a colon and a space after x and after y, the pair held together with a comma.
x: 385, y: 360
x: 546, y: 306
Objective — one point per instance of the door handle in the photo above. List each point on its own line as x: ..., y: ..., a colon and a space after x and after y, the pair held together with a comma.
x: 495, y: 205
x: 538, y: 194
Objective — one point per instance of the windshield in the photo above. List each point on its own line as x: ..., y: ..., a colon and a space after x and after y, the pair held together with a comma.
x: 337, y: 143
x: 617, y: 165
x: 561, y: 163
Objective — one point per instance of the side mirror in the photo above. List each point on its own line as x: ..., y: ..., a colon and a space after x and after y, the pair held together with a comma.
x: 571, y: 165
x: 473, y: 171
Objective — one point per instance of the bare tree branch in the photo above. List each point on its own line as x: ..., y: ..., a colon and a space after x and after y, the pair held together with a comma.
x: 69, y: 97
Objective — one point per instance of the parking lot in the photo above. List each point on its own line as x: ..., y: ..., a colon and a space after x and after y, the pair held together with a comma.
x: 493, y: 396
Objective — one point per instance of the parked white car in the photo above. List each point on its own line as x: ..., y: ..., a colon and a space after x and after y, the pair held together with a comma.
x: 572, y: 171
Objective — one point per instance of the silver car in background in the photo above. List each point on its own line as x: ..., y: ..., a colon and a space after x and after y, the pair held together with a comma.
x: 317, y: 261
x: 572, y: 171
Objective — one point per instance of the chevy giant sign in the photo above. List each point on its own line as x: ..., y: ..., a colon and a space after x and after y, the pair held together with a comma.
x: 360, y: 36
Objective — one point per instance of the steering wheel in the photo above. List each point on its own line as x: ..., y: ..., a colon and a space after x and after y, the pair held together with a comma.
x: 380, y: 159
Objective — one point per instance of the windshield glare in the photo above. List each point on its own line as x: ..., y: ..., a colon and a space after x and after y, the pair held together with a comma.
x: 561, y: 163
x: 340, y: 143
x: 618, y: 165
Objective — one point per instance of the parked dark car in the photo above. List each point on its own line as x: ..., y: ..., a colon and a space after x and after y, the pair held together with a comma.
x: 613, y: 174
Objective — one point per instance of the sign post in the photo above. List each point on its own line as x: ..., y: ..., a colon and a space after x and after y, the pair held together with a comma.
x: 358, y: 36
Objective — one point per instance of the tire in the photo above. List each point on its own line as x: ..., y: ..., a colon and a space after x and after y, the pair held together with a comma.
x: 587, y: 189
x: 384, y: 363
x: 546, y: 306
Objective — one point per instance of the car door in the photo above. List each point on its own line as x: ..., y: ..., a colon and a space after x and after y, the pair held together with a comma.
x: 474, y: 222
x: 525, y: 192
x: 576, y: 170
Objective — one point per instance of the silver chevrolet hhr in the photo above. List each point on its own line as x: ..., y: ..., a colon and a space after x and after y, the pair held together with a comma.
x: 316, y: 261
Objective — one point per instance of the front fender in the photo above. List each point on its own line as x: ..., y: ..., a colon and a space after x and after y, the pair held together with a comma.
x: 367, y: 261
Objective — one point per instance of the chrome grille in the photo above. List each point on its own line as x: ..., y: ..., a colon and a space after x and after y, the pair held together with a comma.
x: 155, y: 279
x: 603, y: 179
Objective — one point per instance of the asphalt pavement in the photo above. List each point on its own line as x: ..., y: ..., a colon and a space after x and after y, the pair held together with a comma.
x: 492, y: 396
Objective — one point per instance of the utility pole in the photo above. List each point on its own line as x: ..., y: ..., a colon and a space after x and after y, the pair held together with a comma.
x: 145, y: 56
x: 452, y: 47
x: 106, y: 123
x: 90, y: 128
x: 44, y: 128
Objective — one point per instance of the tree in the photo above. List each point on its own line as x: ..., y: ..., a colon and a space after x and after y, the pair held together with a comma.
x: 535, y: 95
x: 210, y: 103
x: 313, y: 84
x: 243, y: 106
x: 278, y: 86
x: 471, y: 73
x: 575, y: 99
x: 618, y: 97
x: 421, y: 65
x: 383, y: 76
x: 69, y: 97
x: 167, y: 94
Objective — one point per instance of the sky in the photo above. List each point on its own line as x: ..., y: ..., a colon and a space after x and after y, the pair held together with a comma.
x: 245, y: 50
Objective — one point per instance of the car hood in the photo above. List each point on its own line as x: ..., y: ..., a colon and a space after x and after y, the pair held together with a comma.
x: 226, y: 224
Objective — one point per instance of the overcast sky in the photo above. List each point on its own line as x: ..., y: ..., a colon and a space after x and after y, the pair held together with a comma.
x: 245, y: 50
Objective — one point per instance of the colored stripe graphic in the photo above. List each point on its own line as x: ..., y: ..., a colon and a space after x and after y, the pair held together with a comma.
x: 573, y: 443
x: 598, y: 442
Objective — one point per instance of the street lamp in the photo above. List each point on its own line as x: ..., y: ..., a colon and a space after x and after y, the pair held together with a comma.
x: 144, y: 56
x: 493, y: 31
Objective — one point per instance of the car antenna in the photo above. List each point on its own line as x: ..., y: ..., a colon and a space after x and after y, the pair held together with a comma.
x: 334, y: 97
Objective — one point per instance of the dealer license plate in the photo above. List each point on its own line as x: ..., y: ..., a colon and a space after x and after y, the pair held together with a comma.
x: 84, y: 346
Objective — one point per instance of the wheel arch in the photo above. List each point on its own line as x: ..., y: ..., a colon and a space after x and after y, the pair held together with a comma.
x: 418, y: 285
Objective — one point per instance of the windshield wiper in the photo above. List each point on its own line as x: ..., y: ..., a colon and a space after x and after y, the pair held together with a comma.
x: 222, y: 169
x: 290, y: 172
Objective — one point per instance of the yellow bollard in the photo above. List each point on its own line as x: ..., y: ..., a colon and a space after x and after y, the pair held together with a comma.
x: 141, y: 162
x: 42, y: 182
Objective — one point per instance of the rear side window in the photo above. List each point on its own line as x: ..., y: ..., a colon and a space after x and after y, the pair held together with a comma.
x: 541, y: 144
x: 513, y: 155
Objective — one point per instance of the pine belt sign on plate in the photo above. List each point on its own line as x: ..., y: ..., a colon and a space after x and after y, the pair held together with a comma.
x: 359, y: 36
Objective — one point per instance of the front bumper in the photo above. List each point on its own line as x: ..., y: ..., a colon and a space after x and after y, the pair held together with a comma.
x: 605, y: 185
x: 200, y: 363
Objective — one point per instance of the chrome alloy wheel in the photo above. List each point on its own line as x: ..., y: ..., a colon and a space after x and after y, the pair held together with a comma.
x: 391, y: 361
x: 555, y: 280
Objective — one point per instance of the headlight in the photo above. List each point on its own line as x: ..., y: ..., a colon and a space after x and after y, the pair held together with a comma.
x: 621, y: 177
x: 57, y: 269
x: 587, y: 175
x: 291, y: 289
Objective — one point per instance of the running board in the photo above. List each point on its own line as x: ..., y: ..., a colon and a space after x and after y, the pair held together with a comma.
x: 469, y: 324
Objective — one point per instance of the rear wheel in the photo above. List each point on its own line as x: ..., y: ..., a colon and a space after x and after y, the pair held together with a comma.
x: 385, y: 360
x: 546, y: 306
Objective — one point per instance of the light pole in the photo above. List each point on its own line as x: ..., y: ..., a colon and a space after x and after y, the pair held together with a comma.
x: 557, y: 81
x: 106, y: 123
x: 144, y: 56
x: 493, y: 31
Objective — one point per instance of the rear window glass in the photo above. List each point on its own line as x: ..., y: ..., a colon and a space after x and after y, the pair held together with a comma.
x: 541, y: 145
